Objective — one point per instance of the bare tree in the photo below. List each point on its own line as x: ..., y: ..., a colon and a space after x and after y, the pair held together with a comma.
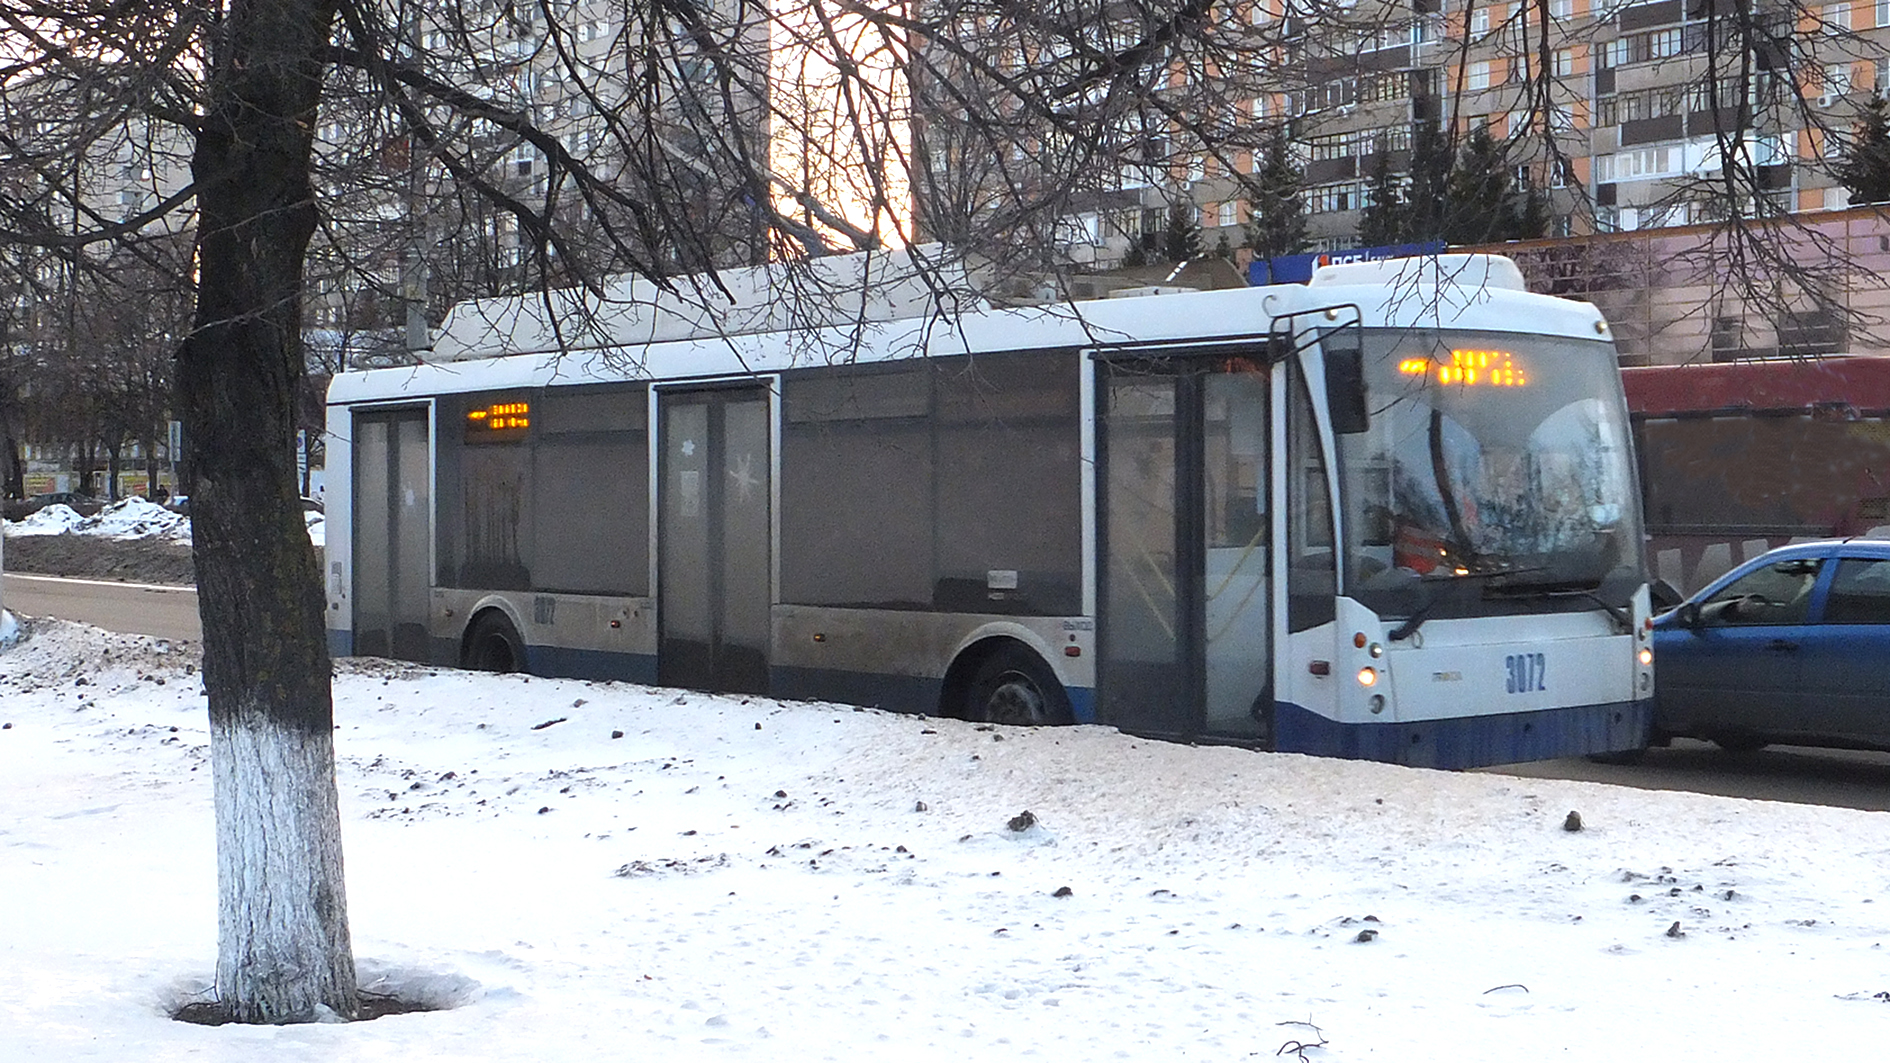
x: 371, y: 160
x: 693, y: 136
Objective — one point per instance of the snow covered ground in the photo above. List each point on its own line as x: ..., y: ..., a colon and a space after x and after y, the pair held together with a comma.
x: 127, y: 518
x: 739, y: 878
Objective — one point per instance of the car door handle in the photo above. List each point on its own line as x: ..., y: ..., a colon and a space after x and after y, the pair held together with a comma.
x: 1782, y: 646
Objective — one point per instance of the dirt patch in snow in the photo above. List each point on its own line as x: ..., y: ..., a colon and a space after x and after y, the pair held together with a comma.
x: 96, y: 557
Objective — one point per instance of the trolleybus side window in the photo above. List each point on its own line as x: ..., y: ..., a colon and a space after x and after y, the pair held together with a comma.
x: 485, y: 483
x: 1009, y: 485
x: 949, y: 484
x: 591, y: 502
x: 546, y: 490
x: 856, y: 488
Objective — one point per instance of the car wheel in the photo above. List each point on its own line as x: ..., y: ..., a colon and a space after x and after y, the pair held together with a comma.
x: 1014, y: 686
x: 493, y: 645
x: 1739, y: 743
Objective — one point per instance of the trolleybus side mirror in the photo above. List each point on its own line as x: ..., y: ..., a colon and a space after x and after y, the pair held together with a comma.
x: 1345, y: 386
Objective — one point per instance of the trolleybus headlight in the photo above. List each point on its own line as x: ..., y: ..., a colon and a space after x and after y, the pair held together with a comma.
x: 1367, y: 676
x: 1646, y: 655
x: 1376, y: 650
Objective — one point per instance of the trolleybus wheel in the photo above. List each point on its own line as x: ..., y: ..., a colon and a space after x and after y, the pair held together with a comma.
x: 493, y: 645
x: 1013, y: 686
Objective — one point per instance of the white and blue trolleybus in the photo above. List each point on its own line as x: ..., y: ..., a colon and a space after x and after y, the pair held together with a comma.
x: 1391, y: 514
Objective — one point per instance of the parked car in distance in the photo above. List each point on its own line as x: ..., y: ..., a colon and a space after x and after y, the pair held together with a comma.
x: 83, y: 505
x: 1793, y: 646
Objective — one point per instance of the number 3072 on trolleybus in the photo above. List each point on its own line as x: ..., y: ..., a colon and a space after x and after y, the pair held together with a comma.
x: 1391, y: 514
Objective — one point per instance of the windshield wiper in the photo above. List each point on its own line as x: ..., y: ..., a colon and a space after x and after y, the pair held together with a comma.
x: 1416, y: 620
x: 1565, y: 589
x: 1413, y: 622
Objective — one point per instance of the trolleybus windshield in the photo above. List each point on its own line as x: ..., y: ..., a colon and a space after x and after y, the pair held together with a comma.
x: 1495, y: 468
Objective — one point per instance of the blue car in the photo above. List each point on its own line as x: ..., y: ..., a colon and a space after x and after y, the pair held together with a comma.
x: 1793, y: 646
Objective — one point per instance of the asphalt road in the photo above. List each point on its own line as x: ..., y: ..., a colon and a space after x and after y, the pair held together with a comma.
x: 1840, y: 778
x: 135, y: 608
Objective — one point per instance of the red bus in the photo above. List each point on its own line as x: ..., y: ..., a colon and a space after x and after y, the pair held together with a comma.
x: 1740, y: 457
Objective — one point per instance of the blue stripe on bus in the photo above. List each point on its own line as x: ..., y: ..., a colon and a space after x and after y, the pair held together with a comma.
x: 1454, y: 743
x: 1470, y: 741
x: 898, y: 693
x: 591, y: 664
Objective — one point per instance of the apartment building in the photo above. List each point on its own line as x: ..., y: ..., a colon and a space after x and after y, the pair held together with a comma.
x: 1619, y: 113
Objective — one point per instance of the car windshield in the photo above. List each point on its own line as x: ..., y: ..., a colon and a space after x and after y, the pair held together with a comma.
x: 1495, y: 466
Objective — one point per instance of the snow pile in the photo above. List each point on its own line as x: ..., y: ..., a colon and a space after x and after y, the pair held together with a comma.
x: 136, y: 518
x: 50, y: 520
x: 592, y: 870
x: 129, y: 518
x: 9, y: 629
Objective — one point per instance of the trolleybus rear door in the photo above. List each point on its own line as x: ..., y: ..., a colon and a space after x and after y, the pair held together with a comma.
x: 1186, y: 590
x: 713, y: 540
x: 392, y: 534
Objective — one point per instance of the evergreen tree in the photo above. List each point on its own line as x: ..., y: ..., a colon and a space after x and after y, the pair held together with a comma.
x: 1480, y: 194
x: 1531, y: 214
x: 1865, y: 168
x: 1425, y: 202
x: 1384, y: 221
x: 1278, y: 225
x: 1182, y: 241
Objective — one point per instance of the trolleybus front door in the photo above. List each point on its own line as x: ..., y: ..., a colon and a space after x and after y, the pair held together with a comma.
x: 392, y: 534
x: 1186, y: 591
x: 713, y: 541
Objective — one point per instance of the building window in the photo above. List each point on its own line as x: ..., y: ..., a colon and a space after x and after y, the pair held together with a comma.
x: 1565, y: 9
x: 1837, y: 80
x: 1228, y: 214
x: 1639, y: 164
x: 1480, y: 21
x: 1331, y: 146
x: 1477, y: 75
x: 1564, y: 62
x: 1331, y: 199
x: 1836, y: 18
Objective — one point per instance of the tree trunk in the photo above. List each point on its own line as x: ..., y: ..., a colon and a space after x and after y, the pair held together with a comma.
x: 283, y: 947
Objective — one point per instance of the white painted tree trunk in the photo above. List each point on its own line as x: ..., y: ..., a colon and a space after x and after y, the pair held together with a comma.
x: 283, y: 952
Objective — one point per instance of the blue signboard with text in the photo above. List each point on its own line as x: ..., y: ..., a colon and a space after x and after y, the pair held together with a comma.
x: 1298, y: 269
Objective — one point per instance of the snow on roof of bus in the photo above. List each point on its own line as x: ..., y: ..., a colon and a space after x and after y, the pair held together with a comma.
x: 1464, y: 271
x: 835, y: 291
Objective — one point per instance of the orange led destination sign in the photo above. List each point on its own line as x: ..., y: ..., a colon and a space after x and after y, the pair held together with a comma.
x: 499, y: 422
x: 501, y: 416
x: 1488, y: 368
